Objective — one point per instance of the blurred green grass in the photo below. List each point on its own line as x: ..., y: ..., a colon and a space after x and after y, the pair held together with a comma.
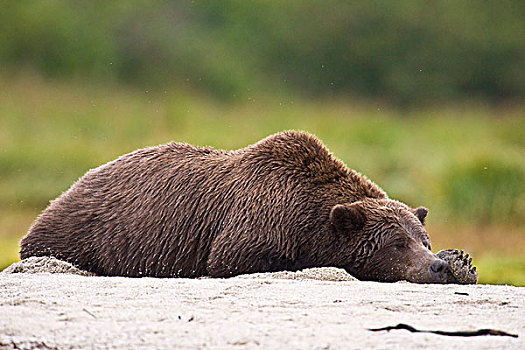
x: 496, y: 269
x: 466, y: 163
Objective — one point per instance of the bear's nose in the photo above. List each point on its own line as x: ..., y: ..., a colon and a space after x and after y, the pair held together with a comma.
x: 439, y: 266
x: 439, y: 269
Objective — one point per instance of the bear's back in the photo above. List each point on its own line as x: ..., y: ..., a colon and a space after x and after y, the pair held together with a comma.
x: 157, y: 211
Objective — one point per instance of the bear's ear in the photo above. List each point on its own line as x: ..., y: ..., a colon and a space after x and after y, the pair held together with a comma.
x: 421, y: 213
x: 347, y: 217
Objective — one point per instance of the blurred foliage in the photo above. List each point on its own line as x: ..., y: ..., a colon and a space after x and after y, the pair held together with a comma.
x: 487, y: 190
x: 501, y: 270
x: 406, y: 52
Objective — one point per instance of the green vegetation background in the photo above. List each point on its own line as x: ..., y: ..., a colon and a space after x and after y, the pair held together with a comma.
x: 406, y: 52
x: 425, y: 99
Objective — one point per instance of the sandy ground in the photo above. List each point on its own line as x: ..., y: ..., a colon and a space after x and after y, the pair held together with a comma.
x: 312, y: 309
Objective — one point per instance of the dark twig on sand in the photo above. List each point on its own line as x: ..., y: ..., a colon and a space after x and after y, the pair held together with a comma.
x: 478, y: 332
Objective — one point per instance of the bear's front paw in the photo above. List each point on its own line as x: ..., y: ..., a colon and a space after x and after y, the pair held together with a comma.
x: 461, y: 270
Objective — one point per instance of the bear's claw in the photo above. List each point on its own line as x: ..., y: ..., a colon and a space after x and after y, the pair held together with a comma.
x: 461, y: 270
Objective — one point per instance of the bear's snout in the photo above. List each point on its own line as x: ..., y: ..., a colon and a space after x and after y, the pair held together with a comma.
x: 439, y: 270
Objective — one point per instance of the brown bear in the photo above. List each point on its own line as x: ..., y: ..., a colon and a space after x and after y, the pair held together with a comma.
x: 284, y: 203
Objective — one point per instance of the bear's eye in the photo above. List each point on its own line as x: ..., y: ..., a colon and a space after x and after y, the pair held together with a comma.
x: 398, y: 242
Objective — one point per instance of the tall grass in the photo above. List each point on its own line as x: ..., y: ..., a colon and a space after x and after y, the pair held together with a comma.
x: 465, y: 163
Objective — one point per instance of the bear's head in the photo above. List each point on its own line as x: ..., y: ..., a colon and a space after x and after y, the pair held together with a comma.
x: 389, y: 242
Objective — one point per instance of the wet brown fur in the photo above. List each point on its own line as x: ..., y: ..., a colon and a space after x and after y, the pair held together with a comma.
x: 181, y: 211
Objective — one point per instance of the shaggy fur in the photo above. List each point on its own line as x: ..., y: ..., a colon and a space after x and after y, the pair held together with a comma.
x: 284, y: 203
